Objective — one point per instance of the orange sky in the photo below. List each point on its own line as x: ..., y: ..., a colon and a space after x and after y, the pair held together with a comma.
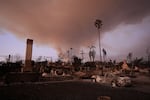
x: 62, y: 24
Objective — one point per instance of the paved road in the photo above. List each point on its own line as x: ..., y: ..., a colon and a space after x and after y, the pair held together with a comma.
x: 69, y: 90
x: 142, y: 83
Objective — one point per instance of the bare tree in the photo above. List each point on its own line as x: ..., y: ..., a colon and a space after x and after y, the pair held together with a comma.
x: 39, y: 59
x: 92, y: 52
x: 82, y: 54
x: 17, y: 57
x: 129, y: 57
x: 104, y: 54
x: 8, y: 58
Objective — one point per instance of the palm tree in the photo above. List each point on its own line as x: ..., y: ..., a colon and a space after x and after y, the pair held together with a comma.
x: 98, y: 24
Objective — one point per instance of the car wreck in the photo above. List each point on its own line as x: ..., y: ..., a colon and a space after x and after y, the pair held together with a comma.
x: 113, y: 80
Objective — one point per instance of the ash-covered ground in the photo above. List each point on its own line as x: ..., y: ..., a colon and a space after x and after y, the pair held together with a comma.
x: 69, y: 90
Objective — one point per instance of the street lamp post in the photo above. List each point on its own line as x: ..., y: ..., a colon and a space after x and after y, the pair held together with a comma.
x: 98, y: 24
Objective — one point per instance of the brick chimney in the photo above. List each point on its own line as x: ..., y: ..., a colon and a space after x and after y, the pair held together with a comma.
x: 28, y: 63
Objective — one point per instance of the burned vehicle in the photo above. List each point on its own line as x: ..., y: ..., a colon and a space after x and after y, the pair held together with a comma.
x: 113, y: 80
x: 123, y: 81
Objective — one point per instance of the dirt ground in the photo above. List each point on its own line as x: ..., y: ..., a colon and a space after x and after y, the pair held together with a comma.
x: 69, y: 90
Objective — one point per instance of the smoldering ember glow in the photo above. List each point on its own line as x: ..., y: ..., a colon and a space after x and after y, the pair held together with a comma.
x: 69, y: 23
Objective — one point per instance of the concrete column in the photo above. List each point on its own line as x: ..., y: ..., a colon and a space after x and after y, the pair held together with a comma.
x: 28, y: 64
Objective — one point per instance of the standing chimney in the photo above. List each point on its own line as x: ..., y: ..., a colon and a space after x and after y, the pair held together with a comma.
x: 28, y: 63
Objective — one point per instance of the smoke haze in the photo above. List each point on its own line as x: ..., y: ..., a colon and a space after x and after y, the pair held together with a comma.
x: 63, y: 24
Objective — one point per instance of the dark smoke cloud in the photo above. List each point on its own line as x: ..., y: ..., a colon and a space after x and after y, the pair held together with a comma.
x: 68, y: 23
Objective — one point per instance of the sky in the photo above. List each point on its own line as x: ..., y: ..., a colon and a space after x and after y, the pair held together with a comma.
x: 58, y: 25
